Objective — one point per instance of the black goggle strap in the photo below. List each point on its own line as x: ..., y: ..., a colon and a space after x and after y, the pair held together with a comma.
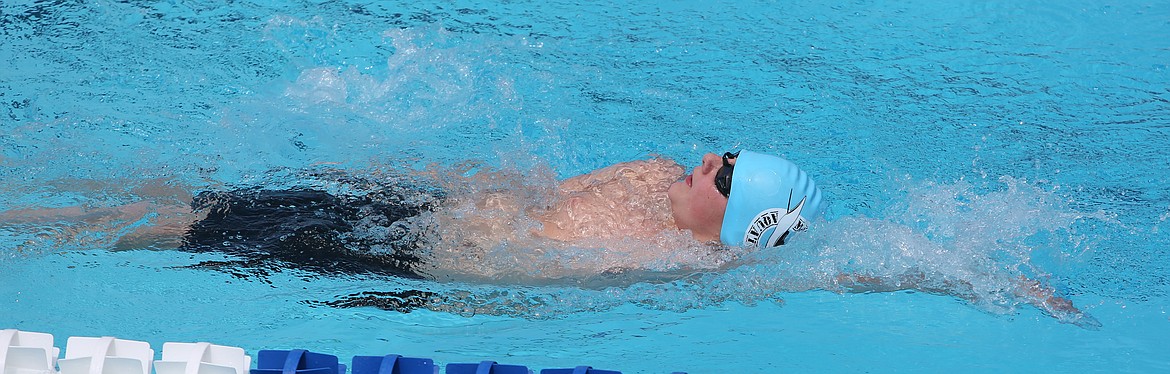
x: 723, y: 176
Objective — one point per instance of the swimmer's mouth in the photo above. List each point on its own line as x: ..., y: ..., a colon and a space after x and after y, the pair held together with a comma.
x: 688, y: 179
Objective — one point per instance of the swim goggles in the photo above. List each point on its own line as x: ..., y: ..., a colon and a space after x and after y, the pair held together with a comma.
x: 723, y: 176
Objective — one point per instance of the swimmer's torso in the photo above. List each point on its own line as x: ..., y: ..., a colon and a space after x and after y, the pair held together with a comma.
x: 616, y: 218
x: 623, y: 200
x: 626, y: 200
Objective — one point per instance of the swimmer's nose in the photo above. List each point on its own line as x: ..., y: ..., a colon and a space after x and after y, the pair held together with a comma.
x: 711, y: 163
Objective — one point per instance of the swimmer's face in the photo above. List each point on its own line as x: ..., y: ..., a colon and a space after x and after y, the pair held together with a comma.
x: 696, y: 203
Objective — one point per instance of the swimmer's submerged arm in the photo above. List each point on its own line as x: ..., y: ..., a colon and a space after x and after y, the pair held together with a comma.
x: 1031, y: 291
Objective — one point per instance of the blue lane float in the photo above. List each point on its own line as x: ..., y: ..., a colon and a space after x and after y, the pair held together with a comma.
x: 296, y: 361
x: 486, y: 367
x: 579, y: 370
x: 393, y: 364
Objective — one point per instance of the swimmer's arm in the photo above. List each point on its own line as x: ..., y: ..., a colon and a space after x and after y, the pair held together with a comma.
x: 1045, y: 298
x: 1031, y: 291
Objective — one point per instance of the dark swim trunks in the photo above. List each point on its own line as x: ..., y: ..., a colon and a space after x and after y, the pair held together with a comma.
x: 307, y: 229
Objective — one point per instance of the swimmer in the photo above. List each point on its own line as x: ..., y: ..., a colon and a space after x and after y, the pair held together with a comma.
x: 639, y: 210
x: 642, y: 210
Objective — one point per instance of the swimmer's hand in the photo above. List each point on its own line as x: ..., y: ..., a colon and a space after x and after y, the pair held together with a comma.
x: 1061, y: 308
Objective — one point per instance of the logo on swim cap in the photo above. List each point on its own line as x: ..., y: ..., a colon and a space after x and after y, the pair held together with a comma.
x: 774, y: 225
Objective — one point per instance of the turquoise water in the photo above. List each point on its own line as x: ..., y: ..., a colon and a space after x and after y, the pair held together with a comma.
x: 975, y: 141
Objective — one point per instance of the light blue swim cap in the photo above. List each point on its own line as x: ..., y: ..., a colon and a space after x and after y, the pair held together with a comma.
x: 770, y: 198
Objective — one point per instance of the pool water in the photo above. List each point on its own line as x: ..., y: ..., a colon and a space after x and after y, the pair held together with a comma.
x: 972, y: 141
